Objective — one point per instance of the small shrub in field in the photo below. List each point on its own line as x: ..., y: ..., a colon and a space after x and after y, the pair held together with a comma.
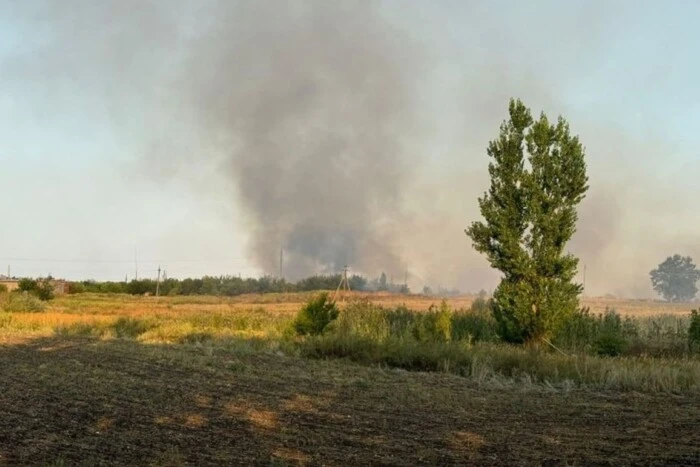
x: 481, y: 305
x: 76, y: 288
x: 694, y: 330
x: 3, y: 289
x: 318, y: 313
x: 476, y: 324
x: 578, y: 331
x: 24, y: 303
x: 129, y: 328
x: 42, y: 289
x: 435, y: 325
x: 610, y: 345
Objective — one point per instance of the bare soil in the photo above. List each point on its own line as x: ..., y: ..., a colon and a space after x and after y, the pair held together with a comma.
x: 85, y: 402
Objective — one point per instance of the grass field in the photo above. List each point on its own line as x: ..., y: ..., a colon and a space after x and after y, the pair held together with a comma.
x: 105, y: 380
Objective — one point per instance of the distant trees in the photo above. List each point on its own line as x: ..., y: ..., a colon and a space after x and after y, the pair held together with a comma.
x: 43, y: 289
x: 529, y: 216
x: 233, y: 285
x: 676, y: 278
x: 382, y: 282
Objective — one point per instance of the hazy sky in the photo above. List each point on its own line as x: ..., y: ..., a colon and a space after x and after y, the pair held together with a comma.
x: 101, y: 160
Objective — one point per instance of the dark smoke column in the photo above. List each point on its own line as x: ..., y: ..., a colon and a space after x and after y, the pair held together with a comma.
x: 307, y: 102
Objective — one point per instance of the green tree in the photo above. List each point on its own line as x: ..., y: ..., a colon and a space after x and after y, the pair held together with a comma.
x: 529, y: 216
x: 382, y: 282
x: 42, y: 288
x: 676, y: 278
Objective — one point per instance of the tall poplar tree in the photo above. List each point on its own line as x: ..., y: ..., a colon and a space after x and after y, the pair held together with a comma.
x: 529, y: 215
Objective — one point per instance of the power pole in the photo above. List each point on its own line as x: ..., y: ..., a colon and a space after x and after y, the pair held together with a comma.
x: 136, y: 265
x: 8, y: 272
x: 344, y: 284
x: 158, y: 283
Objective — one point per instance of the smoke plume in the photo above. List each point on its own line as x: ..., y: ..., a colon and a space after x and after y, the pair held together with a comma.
x: 308, y: 103
x: 355, y: 132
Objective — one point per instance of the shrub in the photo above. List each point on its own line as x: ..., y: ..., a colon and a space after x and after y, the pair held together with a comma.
x: 435, y: 325
x: 130, y: 328
x: 3, y: 289
x: 476, y: 324
x: 42, y: 289
x: 694, y: 330
x: 610, y: 345
x: 76, y: 288
x: 313, y: 318
x: 24, y: 302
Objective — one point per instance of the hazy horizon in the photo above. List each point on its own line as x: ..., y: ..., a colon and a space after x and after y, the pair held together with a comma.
x: 203, y: 137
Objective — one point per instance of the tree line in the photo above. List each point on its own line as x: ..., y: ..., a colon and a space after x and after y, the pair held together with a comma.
x: 234, y: 285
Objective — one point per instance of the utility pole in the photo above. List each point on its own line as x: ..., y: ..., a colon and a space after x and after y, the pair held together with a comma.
x: 158, y: 283
x: 344, y: 284
x: 136, y: 264
x: 8, y: 272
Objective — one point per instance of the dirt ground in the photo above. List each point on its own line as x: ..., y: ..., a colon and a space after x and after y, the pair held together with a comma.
x: 84, y: 402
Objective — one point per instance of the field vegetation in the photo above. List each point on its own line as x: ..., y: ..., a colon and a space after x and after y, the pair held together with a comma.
x: 292, y: 379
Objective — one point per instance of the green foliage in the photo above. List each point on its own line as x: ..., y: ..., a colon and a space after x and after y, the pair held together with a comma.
x: 3, y: 289
x: 476, y: 324
x: 130, y: 328
x: 694, y: 331
x: 529, y: 216
x: 76, y: 288
x: 676, y: 278
x: 313, y: 318
x: 24, y: 302
x: 435, y: 325
x: 43, y: 289
x: 610, y: 345
x: 383, y: 283
x: 218, y: 285
x: 606, y: 334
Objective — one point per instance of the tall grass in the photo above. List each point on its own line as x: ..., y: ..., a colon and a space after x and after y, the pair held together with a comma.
x: 465, y: 343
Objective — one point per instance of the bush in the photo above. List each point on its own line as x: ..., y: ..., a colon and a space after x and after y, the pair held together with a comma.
x: 435, y: 325
x: 694, y: 331
x: 313, y: 318
x: 610, y: 345
x: 24, y: 302
x: 3, y: 289
x: 130, y: 328
x: 76, y: 288
x: 42, y: 289
x: 476, y: 324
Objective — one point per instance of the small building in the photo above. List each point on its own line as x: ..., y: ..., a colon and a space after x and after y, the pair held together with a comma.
x: 60, y: 287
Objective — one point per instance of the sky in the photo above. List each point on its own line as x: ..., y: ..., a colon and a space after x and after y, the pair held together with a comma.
x: 127, y: 142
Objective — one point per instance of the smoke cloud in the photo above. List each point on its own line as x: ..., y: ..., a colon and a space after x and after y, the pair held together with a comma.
x: 308, y: 103
x: 353, y: 133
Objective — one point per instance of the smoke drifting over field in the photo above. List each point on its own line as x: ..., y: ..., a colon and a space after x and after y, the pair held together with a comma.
x: 346, y: 132
x: 309, y: 103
